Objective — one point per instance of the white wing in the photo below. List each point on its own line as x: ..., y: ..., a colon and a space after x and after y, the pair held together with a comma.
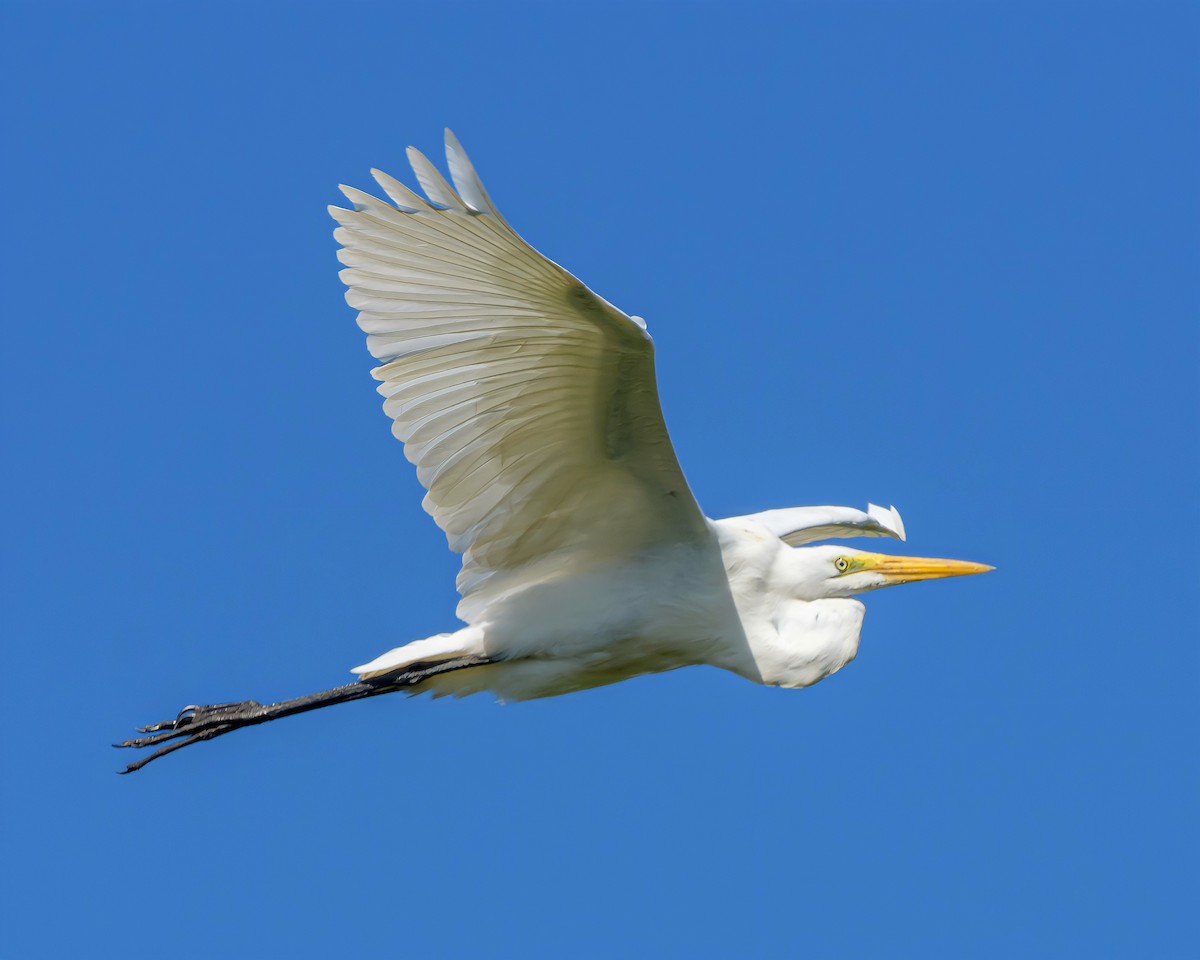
x: 797, y: 525
x: 527, y: 403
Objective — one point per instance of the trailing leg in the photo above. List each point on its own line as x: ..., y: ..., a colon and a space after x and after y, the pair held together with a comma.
x: 196, y: 723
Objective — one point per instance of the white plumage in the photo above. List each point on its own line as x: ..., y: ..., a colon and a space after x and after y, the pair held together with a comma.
x: 526, y: 402
x: 528, y: 405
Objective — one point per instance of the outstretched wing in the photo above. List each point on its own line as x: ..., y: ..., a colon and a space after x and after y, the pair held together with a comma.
x: 797, y: 525
x: 527, y: 403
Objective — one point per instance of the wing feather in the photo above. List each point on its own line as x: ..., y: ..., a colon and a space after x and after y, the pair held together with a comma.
x: 433, y: 183
x: 462, y: 172
x: 527, y: 403
x: 798, y: 525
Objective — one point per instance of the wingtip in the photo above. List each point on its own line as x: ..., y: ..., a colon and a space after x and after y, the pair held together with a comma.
x: 453, y: 144
x: 888, y: 518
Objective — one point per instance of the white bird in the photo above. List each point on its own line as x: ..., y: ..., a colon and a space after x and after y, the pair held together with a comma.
x: 528, y: 404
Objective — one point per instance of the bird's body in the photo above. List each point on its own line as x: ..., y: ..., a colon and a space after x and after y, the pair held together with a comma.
x: 725, y: 599
x: 529, y: 406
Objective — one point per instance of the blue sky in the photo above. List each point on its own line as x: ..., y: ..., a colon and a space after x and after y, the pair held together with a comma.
x: 942, y: 255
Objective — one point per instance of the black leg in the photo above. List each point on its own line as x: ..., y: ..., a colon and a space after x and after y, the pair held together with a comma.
x: 196, y: 723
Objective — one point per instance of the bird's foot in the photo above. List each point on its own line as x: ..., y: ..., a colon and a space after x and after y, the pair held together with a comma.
x: 191, y: 725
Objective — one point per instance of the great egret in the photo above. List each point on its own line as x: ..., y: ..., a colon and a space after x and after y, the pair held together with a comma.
x: 529, y: 406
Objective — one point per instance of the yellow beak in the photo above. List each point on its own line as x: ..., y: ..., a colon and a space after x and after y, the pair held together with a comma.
x: 910, y: 569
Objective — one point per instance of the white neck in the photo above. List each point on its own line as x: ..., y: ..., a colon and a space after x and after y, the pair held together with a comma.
x: 792, y: 642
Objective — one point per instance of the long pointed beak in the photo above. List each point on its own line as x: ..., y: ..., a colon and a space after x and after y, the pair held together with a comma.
x: 911, y: 569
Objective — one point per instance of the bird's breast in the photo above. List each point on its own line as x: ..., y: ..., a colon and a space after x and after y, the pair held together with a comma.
x: 670, y: 603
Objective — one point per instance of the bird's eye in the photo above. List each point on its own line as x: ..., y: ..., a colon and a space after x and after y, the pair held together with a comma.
x: 842, y: 564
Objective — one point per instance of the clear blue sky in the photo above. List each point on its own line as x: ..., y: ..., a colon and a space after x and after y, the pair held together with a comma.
x: 942, y: 255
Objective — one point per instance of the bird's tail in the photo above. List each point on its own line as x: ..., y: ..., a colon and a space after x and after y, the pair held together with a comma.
x: 467, y: 642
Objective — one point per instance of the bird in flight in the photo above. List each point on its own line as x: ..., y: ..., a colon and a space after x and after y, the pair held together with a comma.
x: 529, y: 406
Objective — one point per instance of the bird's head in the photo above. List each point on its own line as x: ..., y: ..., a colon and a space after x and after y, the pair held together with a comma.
x: 830, y: 571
